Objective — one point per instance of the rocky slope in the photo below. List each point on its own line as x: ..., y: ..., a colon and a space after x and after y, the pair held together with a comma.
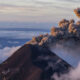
x: 32, y: 62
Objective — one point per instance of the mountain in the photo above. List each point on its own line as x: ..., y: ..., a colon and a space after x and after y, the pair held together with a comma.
x: 32, y: 62
x: 35, y: 61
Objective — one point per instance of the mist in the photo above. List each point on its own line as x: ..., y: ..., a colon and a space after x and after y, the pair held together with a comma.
x: 69, y: 51
x: 74, y: 74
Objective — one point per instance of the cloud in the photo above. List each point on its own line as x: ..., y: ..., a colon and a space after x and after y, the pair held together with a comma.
x: 71, y: 0
x: 7, y: 8
x: 35, y: 10
x: 7, y: 52
x: 74, y: 74
x: 13, y: 42
x: 68, y: 50
x: 20, y: 34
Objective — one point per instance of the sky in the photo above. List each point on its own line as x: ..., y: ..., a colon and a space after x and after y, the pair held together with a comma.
x: 37, y: 11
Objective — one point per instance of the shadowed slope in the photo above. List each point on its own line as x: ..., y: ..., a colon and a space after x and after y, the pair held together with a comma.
x: 32, y: 62
x: 19, y: 66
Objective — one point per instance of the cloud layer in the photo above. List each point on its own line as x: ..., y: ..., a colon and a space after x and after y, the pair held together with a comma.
x: 19, y: 34
x: 7, y: 52
x: 36, y: 10
x: 74, y: 74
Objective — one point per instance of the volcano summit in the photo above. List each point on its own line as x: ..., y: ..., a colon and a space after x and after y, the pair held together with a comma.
x: 37, y: 59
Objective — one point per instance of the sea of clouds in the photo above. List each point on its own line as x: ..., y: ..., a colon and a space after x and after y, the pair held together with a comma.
x: 7, y: 52
x: 20, y: 34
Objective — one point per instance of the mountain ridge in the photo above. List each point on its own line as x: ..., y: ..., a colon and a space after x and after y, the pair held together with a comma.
x: 27, y: 64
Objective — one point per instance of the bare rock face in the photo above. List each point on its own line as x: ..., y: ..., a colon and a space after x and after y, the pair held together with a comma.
x: 32, y: 62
